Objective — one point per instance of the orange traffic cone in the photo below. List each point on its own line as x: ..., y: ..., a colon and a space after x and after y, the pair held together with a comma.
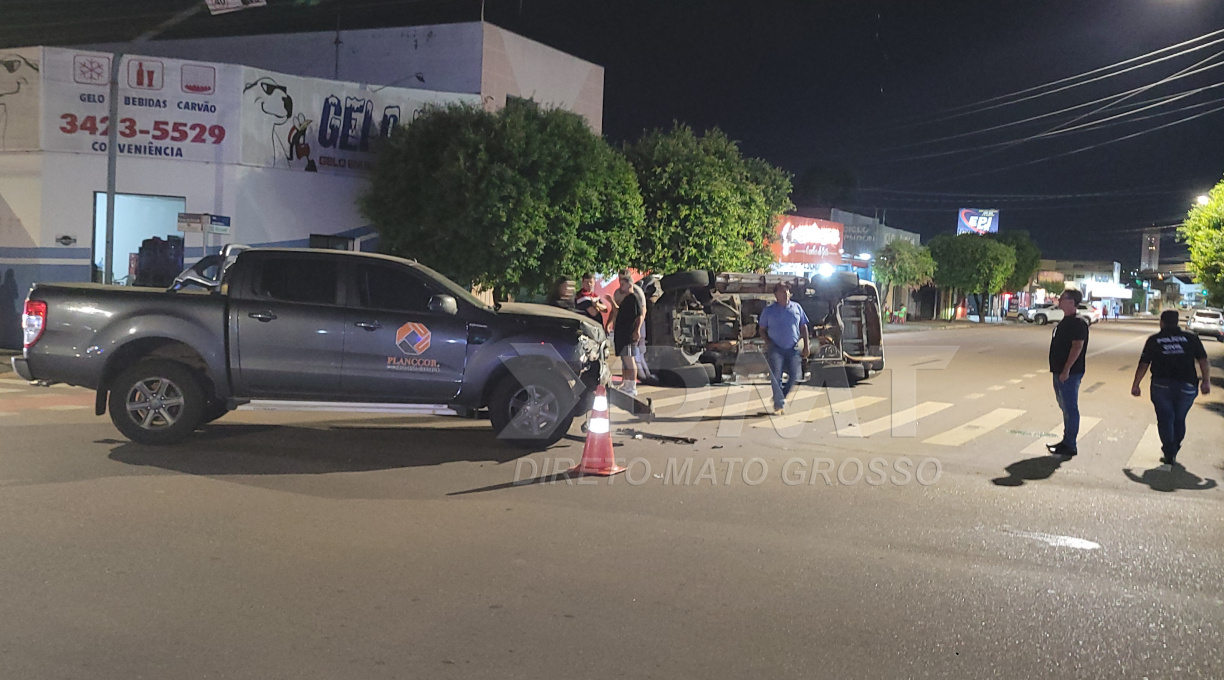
x: 597, y: 457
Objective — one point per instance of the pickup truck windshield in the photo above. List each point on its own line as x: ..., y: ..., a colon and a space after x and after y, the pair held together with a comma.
x: 453, y: 288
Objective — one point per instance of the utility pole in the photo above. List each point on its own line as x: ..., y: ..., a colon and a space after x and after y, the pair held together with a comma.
x: 112, y: 135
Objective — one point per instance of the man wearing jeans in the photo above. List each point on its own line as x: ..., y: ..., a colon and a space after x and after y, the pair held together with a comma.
x: 782, y: 325
x: 1171, y: 354
x: 1067, y: 349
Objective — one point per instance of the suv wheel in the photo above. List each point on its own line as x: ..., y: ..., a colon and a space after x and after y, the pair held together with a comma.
x: 157, y: 402
x: 1041, y: 319
x: 535, y: 415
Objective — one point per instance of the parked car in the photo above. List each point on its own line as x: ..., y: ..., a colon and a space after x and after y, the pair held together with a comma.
x: 1207, y: 322
x: 320, y: 330
x: 704, y: 318
x: 1049, y: 311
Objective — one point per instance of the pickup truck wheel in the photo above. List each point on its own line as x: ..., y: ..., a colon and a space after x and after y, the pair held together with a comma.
x: 532, y: 416
x: 157, y: 402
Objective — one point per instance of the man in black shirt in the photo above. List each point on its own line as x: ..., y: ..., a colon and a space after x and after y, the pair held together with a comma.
x: 1068, y: 346
x: 1171, y: 354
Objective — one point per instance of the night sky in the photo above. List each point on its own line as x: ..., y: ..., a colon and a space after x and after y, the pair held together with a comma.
x: 834, y: 85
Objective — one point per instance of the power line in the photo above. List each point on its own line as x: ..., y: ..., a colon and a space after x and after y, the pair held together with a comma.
x: 1032, y: 119
x: 1081, y: 149
x: 998, y: 102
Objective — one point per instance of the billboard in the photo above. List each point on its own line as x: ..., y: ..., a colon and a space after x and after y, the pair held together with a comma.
x: 975, y: 221
x: 807, y: 240
x: 168, y: 108
x: 318, y: 125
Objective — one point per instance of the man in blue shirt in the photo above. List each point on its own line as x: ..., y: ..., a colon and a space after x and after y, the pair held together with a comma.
x: 782, y: 325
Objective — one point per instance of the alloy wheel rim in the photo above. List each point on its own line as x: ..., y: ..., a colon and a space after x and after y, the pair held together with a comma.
x: 534, y: 411
x: 155, y: 403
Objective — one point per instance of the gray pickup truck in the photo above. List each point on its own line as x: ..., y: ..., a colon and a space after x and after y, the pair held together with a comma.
x: 317, y: 330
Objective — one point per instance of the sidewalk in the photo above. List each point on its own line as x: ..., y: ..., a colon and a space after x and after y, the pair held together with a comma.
x: 939, y: 325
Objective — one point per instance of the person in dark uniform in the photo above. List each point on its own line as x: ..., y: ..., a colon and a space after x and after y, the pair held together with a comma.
x: 1171, y: 354
x: 1068, y: 346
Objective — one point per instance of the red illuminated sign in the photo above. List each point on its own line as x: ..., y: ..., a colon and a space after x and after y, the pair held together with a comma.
x: 807, y: 240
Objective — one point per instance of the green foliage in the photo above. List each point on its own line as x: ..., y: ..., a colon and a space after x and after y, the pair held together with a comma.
x: 505, y: 200
x: 1203, y: 232
x: 969, y: 262
x: 1028, y: 258
x: 707, y: 207
x: 901, y: 263
x: 1054, y: 288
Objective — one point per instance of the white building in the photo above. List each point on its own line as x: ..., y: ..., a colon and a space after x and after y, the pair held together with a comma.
x: 232, y: 127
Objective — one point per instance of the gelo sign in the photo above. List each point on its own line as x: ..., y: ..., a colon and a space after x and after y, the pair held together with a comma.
x: 974, y: 221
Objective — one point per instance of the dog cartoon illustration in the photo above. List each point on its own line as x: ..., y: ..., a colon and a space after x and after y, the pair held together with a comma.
x: 273, y: 100
x: 16, y: 73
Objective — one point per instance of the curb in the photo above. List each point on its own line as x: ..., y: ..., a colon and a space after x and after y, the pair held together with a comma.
x: 917, y: 328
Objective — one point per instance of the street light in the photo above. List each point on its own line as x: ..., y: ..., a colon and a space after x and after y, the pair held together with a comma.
x: 1203, y: 199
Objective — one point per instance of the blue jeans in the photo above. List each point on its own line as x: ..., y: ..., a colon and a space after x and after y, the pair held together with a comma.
x: 1067, y: 393
x: 1172, y: 399
x: 783, y: 361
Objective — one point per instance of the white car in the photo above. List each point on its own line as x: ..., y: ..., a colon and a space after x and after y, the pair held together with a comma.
x: 1049, y: 311
x: 1207, y: 322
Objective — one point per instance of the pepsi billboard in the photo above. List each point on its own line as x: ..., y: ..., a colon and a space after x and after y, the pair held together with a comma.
x: 974, y: 221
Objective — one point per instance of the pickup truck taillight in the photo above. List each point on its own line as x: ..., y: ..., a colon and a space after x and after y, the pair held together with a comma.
x: 33, y: 321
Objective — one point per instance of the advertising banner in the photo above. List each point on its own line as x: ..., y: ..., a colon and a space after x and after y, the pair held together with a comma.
x: 321, y: 125
x: 807, y: 240
x: 19, y: 85
x: 974, y: 221
x: 167, y: 108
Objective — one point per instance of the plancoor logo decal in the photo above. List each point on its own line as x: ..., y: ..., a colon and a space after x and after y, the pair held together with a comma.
x: 412, y: 338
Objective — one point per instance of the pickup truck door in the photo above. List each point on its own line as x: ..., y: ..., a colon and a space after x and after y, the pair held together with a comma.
x: 288, y: 327
x: 395, y: 348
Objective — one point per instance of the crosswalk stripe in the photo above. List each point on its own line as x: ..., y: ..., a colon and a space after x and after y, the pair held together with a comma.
x: 1030, y: 375
x: 10, y: 381
x: 698, y: 396
x: 5, y: 413
x: 975, y: 428
x: 7, y: 390
x: 1147, y: 453
x: 63, y: 407
x: 909, y: 415
x: 815, y: 413
x: 1014, y: 381
x: 975, y: 395
x: 996, y: 388
x: 1056, y: 432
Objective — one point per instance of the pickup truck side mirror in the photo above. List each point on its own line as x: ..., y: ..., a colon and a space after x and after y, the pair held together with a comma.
x: 443, y: 304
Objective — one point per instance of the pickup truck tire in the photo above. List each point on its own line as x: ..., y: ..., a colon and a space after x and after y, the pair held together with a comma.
x: 157, y: 402
x: 533, y: 416
x: 682, y: 280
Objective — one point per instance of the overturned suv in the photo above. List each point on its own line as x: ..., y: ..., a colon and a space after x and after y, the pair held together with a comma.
x: 704, y: 326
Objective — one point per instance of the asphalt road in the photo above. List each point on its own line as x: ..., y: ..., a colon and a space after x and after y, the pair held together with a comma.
x: 298, y: 546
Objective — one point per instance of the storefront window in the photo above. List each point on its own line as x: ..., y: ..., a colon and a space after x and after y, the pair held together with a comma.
x: 148, y: 248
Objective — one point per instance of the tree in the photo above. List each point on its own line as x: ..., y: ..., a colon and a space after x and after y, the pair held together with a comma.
x: 972, y: 263
x: 504, y: 200
x: 707, y: 207
x: 902, y: 263
x: 1028, y: 258
x: 1054, y: 288
x: 1203, y: 232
